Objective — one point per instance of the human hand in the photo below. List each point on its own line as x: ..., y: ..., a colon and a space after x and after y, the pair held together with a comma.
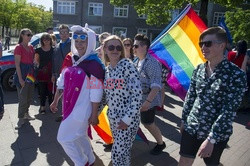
x: 53, y: 107
x: 22, y: 82
x: 145, y: 106
x: 181, y: 128
x: 206, y: 149
x: 93, y: 119
x: 122, y: 125
x: 53, y: 79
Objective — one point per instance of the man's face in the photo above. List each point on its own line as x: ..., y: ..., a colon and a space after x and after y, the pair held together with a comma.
x: 139, y: 48
x: 211, y: 47
x: 81, y: 43
x: 64, y: 34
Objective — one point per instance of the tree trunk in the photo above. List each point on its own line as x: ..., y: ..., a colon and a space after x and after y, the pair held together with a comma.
x: 203, y: 10
x: 3, y: 32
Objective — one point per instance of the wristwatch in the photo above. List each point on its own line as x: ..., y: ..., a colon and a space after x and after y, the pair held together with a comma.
x: 211, y: 140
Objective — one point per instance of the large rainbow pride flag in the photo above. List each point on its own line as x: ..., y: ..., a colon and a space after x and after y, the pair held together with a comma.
x: 177, y: 48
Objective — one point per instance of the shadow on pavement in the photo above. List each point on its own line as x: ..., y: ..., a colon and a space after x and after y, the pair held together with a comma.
x: 141, y: 156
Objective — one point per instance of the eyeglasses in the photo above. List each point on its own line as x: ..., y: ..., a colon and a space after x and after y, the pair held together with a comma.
x: 112, y: 48
x: 135, y: 45
x: 46, y: 39
x: 82, y: 37
x: 209, y: 43
x: 63, y: 32
x: 127, y: 45
x: 29, y: 35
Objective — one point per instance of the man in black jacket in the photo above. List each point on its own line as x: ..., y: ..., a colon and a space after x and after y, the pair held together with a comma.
x: 60, y: 52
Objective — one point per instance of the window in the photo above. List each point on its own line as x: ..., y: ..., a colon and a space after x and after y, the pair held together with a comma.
x: 121, y: 11
x: 144, y: 16
x: 65, y: 7
x: 217, y: 18
x: 120, y: 31
x: 142, y: 31
x: 95, y: 9
x: 97, y: 29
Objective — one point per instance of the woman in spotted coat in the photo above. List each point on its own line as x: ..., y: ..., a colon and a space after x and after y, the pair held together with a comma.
x: 123, y: 96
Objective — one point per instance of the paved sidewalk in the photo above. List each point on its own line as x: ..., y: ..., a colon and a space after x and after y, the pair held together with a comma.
x: 35, y: 143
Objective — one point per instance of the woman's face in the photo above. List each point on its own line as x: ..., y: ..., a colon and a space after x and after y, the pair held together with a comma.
x: 127, y: 45
x: 113, y: 49
x: 27, y: 36
x: 81, y: 44
x: 47, y: 41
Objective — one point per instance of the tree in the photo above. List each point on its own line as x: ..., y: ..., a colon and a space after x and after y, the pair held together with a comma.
x: 238, y: 23
x: 7, y: 9
x: 19, y: 14
x: 158, y: 12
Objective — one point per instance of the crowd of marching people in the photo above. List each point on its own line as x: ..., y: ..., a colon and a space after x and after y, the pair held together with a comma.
x: 131, y: 83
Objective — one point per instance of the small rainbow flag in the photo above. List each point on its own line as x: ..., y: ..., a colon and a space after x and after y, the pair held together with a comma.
x: 30, y: 78
x: 177, y: 48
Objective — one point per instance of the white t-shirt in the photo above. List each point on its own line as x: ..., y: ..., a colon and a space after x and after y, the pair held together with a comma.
x: 140, y: 63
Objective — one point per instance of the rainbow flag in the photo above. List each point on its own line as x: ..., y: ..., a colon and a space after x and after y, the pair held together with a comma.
x: 30, y: 78
x: 103, y: 129
x: 177, y: 48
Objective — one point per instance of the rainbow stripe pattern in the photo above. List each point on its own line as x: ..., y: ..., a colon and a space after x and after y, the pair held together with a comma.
x: 30, y: 78
x: 177, y: 48
x: 103, y: 129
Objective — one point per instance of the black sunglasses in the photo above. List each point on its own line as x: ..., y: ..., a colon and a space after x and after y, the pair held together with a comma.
x: 112, y: 48
x: 135, y: 46
x: 209, y: 43
x: 29, y: 35
x: 127, y: 45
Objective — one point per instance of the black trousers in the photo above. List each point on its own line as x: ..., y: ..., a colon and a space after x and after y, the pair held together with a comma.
x: 44, y: 93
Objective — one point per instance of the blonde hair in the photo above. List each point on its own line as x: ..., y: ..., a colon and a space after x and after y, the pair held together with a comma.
x: 109, y: 38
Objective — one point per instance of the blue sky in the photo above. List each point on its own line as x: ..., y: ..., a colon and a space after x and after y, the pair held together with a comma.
x: 46, y: 3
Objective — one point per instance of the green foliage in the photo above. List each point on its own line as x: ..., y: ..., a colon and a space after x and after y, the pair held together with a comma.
x: 238, y: 23
x: 158, y: 11
x: 20, y: 14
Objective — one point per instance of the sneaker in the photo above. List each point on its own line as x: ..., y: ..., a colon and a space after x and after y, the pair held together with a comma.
x: 28, y: 117
x: 19, y: 123
x: 42, y: 112
x: 59, y: 118
x: 158, y: 149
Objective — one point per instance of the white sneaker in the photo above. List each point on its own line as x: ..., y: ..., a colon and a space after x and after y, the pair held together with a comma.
x: 19, y: 123
x: 28, y: 117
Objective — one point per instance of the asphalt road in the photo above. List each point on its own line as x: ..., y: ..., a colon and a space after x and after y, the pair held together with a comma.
x: 35, y: 143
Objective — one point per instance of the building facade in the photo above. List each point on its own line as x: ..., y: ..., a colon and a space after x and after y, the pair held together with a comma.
x: 101, y: 16
x: 123, y: 21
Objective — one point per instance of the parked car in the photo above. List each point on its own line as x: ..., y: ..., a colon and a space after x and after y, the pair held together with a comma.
x: 7, y: 63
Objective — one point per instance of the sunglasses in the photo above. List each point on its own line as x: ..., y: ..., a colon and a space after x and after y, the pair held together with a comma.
x: 29, y: 35
x: 127, y: 45
x: 209, y: 43
x: 82, y: 37
x: 112, y: 48
x: 135, y: 45
x: 63, y: 32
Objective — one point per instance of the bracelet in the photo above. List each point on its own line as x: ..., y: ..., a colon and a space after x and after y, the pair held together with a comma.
x: 148, y: 101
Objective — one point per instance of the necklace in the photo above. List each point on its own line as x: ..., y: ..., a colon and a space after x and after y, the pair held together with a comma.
x: 209, y: 70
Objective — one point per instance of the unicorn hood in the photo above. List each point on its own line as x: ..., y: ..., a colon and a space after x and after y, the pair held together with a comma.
x: 77, y: 29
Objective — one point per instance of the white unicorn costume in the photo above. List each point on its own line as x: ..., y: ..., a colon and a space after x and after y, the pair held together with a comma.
x: 78, y: 98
